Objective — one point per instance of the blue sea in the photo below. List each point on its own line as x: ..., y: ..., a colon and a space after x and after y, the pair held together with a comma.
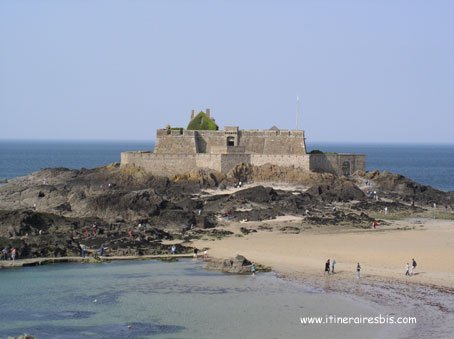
x: 428, y: 164
x: 152, y: 299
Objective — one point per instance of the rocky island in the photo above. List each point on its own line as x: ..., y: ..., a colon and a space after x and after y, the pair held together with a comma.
x: 243, y: 197
x: 196, y: 184
x: 51, y: 213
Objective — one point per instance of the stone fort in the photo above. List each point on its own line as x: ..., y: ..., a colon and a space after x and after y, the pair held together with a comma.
x: 203, y: 146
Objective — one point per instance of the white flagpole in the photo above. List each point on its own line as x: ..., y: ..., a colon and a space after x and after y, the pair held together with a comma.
x: 297, y: 100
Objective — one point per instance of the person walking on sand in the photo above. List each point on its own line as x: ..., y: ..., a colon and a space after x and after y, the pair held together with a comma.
x: 327, y: 264
x: 5, y: 253
x: 407, y: 269
x: 13, y: 253
x: 83, y: 250
x: 413, y: 266
x: 358, y: 271
x: 333, y: 263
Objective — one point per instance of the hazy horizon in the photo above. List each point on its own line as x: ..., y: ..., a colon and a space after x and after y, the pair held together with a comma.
x: 366, y: 72
x: 356, y: 143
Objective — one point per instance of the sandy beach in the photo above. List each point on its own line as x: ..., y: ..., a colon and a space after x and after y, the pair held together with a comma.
x: 382, y: 253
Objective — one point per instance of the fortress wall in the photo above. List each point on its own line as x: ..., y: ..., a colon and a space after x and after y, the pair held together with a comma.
x: 259, y: 142
x: 212, y: 161
x: 160, y: 164
x: 357, y: 161
x: 333, y: 163
x: 207, y: 139
x: 298, y: 161
x: 324, y: 163
x: 176, y: 142
x: 273, y: 142
x: 229, y: 161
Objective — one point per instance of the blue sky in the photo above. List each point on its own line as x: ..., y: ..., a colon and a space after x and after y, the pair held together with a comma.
x: 366, y: 71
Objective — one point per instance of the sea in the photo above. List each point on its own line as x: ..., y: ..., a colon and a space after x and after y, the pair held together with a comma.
x: 153, y: 299
x: 427, y: 164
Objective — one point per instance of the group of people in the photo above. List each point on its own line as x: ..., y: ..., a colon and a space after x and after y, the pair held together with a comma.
x: 410, y: 269
x: 84, y: 252
x: 9, y: 254
x: 329, y: 266
x: 372, y: 194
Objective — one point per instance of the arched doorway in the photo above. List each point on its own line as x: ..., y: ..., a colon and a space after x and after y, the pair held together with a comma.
x: 346, y: 168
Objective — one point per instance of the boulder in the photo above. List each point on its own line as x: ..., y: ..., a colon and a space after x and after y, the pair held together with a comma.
x: 237, y: 265
x: 341, y: 191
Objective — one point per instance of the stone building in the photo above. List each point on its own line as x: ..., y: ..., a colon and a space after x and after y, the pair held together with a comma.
x: 179, y: 150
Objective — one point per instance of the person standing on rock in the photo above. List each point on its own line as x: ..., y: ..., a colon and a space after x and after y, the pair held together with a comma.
x: 358, y: 271
x: 253, y: 269
x: 327, y: 266
x: 173, y: 249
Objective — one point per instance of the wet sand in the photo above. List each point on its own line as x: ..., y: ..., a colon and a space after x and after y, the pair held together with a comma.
x: 382, y: 253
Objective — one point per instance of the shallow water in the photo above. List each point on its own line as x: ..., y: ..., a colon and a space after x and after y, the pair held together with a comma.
x: 152, y: 299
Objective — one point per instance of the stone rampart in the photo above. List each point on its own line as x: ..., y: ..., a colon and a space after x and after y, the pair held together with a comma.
x: 175, y: 142
x: 252, y: 141
x: 211, y: 161
x: 161, y: 164
x: 339, y: 164
x: 179, y: 151
x: 297, y: 161
x: 229, y: 161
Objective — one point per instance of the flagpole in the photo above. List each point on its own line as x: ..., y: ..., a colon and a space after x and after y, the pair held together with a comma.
x: 297, y: 98
x: 297, y: 111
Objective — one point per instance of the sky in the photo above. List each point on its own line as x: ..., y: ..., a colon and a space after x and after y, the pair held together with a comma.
x: 365, y: 71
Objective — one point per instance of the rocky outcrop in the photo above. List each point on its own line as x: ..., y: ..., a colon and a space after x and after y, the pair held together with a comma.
x: 129, y: 211
x: 237, y: 265
x: 340, y: 191
x: 398, y: 187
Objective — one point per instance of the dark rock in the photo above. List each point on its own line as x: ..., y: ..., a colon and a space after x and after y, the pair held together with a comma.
x: 238, y: 265
x: 258, y: 194
x: 379, y: 206
x: 398, y: 187
x: 290, y: 229
x: 341, y: 191
x: 246, y: 231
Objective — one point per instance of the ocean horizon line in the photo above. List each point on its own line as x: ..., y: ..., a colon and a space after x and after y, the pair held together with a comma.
x: 314, y: 142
